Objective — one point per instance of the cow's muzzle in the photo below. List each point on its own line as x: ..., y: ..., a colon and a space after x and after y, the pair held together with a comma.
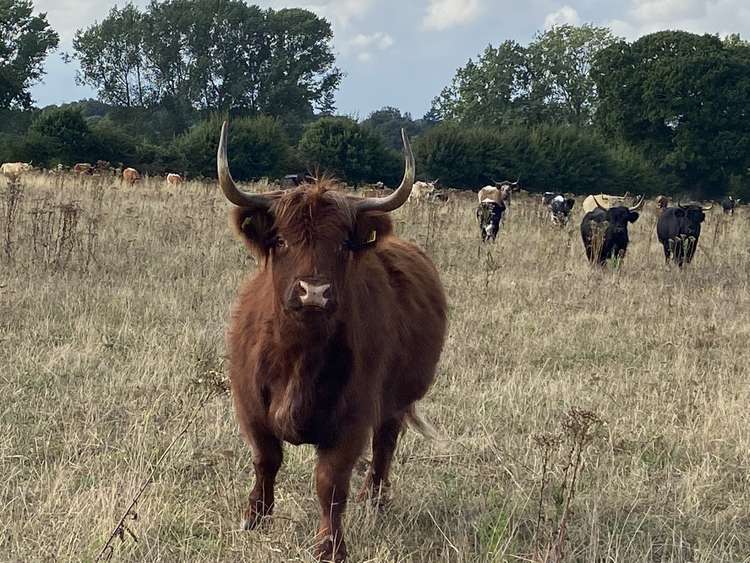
x: 311, y: 294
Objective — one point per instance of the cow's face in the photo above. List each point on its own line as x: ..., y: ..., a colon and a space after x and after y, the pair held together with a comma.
x: 308, y: 241
x: 560, y: 208
x: 617, y: 219
x: 692, y: 217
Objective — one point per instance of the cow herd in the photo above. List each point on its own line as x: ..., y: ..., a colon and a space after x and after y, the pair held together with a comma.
x: 604, y: 226
x: 14, y: 170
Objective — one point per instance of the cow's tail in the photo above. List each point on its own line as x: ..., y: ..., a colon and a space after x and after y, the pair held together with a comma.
x: 419, y: 424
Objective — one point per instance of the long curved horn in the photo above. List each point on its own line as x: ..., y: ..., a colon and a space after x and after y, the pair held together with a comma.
x: 597, y: 203
x: 639, y: 205
x: 681, y: 205
x: 232, y: 193
x: 399, y: 197
x: 707, y: 207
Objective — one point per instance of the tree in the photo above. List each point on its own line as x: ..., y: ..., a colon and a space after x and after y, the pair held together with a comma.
x: 340, y: 146
x: 388, y: 123
x: 547, y: 82
x: 684, y: 100
x: 212, y: 56
x: 258, y: 147
x: 487, y: 92
x: 560, y: 81
x: 67, y: 128
x: 25, y: 41
x: 112, y: 59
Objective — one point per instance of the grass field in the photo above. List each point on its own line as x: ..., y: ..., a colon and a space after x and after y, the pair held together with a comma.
x: 584, y: 414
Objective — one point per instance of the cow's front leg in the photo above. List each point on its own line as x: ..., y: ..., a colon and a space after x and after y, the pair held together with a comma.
x: 332, y: 475
x: 267, y: 457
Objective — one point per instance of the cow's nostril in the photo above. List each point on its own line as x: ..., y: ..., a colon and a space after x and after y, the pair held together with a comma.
x: 314, y: 295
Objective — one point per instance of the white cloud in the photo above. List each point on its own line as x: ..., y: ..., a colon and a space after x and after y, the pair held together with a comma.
x: 697, y: 16
x: 444, y: 14
x: 565, y: 15
x: 363, y: 45
x: 341, y: 12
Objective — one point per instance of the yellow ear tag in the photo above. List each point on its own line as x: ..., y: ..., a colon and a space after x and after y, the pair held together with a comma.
x: 372, y: 238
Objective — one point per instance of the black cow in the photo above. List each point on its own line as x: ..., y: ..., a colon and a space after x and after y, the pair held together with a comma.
x: 605, y: 231
x: 728, y: 204
x: 559, y: 209
x: 679, y: 229
x: 294, y: 180
x: 490, y: 216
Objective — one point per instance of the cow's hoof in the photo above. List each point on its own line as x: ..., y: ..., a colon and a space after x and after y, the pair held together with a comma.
x: 255, y: 515
x: 329, y: 552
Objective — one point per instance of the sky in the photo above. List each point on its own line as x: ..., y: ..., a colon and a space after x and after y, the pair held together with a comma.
x: 402, y: 53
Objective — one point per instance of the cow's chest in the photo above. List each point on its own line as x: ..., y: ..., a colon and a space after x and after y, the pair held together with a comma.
x: 303, y: 392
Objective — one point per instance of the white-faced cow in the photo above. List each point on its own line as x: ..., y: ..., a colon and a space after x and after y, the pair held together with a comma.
x: 332, y: 341
x: 679, y: 229
x: 559, y: 207
x: 605, y: 231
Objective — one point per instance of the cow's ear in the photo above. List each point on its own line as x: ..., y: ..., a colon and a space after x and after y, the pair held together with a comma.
x: 254, y: 227
x: 679, y: 212
x: 571, y: 202
x: 633, y: 216
x: 369, y: 228
x: 702, y: 217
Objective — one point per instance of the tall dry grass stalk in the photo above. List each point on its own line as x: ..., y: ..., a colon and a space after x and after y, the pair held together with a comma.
x: 108, y: 321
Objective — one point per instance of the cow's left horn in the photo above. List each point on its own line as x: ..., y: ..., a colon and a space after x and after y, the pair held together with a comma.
x: 232, y: 193
x: 639, y: 205
x: 597, y: 203
x: 399, y: 197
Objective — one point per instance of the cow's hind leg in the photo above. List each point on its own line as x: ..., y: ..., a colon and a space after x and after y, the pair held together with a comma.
x: 267, y: 457
x: 332, y: 475
x: 384, y: 442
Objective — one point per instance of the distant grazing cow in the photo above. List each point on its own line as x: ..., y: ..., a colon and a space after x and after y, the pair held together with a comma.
x: 174, y: 179
x: 130, y: 176
x: 679, y: 229
x: 490, y: 218
x: 423, y: 191
x: 559, y: 209
x: 83, y: 168
x: 604, y: 201
x: 14, y: 170
x: 294, y: 180
x: 728, y: 204
x: 605, y: 231
x: 332, y: 341
x: 492, y: 193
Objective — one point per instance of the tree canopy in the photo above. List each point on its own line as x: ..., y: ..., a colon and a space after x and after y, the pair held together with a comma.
x: 25, y: 42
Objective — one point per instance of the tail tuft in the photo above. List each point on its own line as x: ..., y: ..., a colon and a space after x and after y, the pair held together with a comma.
x: 419, y: 424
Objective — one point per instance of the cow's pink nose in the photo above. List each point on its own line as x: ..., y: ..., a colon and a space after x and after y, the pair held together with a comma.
x: 312, y: 295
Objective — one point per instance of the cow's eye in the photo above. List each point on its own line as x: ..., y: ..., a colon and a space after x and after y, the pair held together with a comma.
x: 279, y: 243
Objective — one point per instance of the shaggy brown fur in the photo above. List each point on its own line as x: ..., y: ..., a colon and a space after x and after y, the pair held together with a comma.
x: 330, y: 378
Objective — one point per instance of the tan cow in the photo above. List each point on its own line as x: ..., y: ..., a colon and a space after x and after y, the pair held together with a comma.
x: 174, y: 179
x: 422, y: 191
x: 130, y: 175
x: 493, y: 194
x: 604, y: 201
x: 14, y: 170
x: 83, y: 168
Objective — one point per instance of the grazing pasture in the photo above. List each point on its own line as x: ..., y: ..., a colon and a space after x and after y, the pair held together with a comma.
x: 583, y: 414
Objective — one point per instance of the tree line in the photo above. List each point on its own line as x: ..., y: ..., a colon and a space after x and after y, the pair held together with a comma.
x: 576, y: 109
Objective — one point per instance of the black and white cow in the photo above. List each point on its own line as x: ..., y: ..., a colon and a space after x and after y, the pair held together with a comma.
x: 490, y: 218
x: 559, y: 207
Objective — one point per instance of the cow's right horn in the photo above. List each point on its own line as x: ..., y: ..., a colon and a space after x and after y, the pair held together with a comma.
x: 639, y: 205
x: 597, y: 203
x: 232, y: 193
x: 399, y: 197
x: 707, y: 207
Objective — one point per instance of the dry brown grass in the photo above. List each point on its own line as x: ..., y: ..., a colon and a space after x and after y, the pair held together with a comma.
x: 109, y: 323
